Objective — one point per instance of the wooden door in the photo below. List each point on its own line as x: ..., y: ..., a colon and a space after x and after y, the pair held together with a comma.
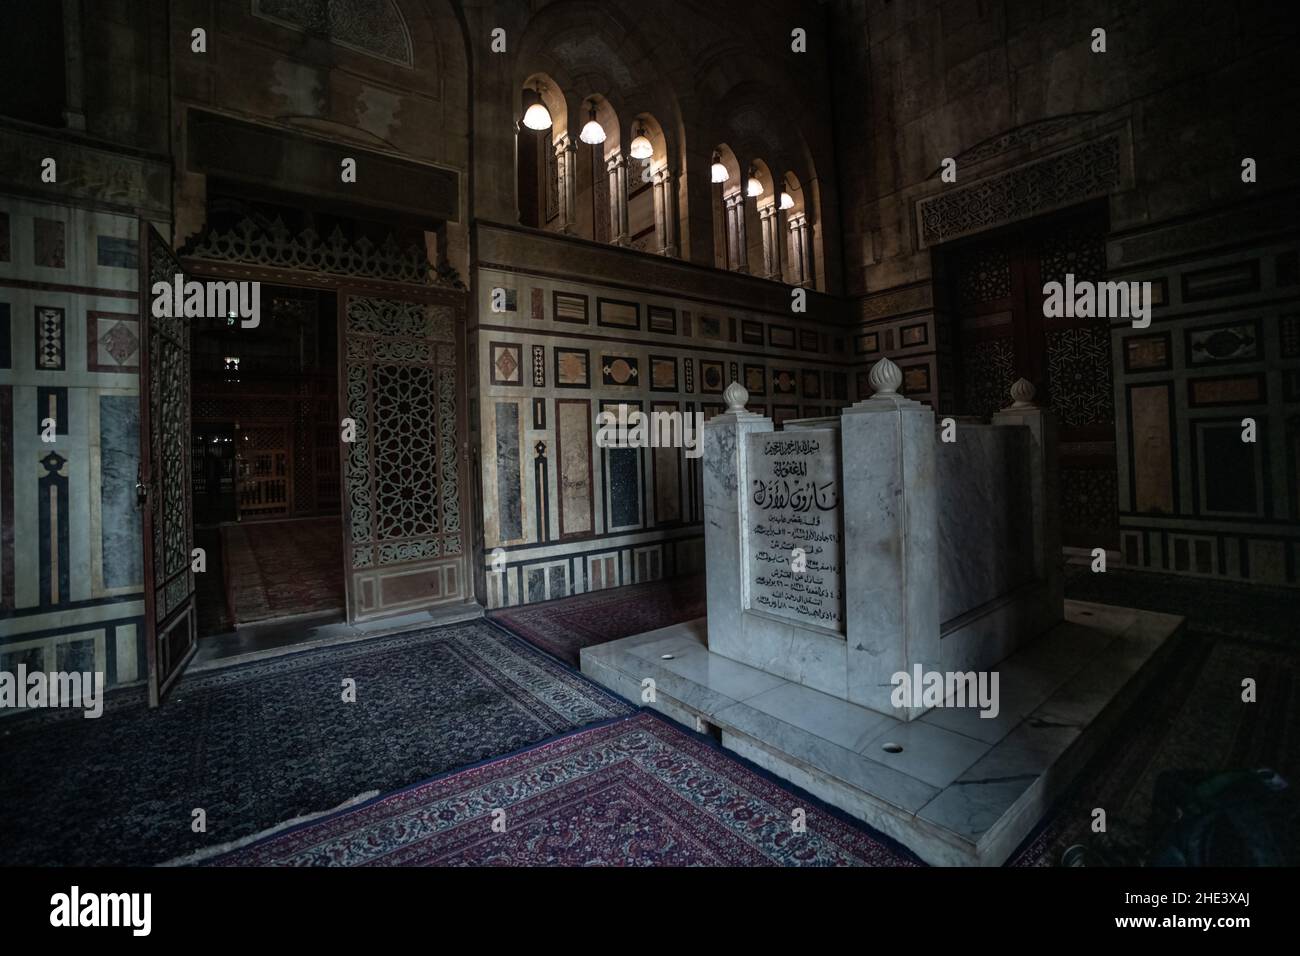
x: 163, y: 489
x: 997, y: 297
x: 404, y: 475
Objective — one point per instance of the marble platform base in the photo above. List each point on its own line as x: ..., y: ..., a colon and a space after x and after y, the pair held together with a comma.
x: 954, y: 787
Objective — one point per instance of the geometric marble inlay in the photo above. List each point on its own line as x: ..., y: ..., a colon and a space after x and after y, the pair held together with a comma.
x: 113, y: 341
x: 120, y: 342
x: 50, y: 345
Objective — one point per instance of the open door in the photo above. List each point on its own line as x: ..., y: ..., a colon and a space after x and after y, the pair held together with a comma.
x: 403, y: 470
x: 163, y: 487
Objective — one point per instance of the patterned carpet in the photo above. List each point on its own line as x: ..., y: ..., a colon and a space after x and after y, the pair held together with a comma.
x: 281, y: 568
x: 638, y: 792
x: 1192, y: 719
x: 563, y: 628
x: 258, y: 744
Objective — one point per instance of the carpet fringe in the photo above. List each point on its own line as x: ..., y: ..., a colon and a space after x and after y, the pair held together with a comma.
x: 207, y: 853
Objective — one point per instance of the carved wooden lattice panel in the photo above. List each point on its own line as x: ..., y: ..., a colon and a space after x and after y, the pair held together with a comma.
x: 404, y: 470
x: 266, y: 479
x: 165, y: 474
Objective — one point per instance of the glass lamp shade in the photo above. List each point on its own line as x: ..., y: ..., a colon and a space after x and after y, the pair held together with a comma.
x: 641, y: 148
x: 593, y: 133
x: 719, y: 173
x: 537, y: 116
x: 786, y: 201
x: 753, y: 187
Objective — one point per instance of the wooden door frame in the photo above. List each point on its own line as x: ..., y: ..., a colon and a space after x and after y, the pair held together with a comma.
x: 461, y: 302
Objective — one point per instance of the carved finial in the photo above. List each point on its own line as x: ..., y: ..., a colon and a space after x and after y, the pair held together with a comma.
x: 735, y: 396
x: 885, y: 377
x: 1022, y: 393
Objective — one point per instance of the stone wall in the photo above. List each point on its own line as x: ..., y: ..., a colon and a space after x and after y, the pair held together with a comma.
x: 71, y: 551
x: 568, y: 515
x: 1154, y: 130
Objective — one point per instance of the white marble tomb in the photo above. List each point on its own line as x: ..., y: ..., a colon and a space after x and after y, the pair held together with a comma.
x: 917, y: 553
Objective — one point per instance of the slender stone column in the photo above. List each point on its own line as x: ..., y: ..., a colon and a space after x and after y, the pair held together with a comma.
x: 611, y: 167
x: 566, y: 163
x: 670, y: 210
x: 729, y: 211
x: 621, y: 232
x: 739, y: 261
x: 805, y: 252
x: 769, y: 218
x: 796, y: 255
x: 778, y: 260
x: 792, y: 247
x: 657, y: 188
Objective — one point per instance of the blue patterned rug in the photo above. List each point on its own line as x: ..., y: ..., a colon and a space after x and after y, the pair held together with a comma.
x: 636, y: 792
x: 262, y: 743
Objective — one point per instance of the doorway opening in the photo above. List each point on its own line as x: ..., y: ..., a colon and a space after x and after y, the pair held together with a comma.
x: 264, y: 458
x: 993, y: 288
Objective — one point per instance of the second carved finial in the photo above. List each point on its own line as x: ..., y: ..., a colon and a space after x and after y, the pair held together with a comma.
x: 735, y: 395
x: 885, y: 377
x: 1022, y: 393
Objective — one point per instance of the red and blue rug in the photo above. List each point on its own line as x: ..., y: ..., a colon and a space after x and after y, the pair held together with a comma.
x: 635, y: 792
x: 563, y: 628
x: 261, y: 743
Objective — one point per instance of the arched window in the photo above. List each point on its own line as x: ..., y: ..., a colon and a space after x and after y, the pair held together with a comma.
x: 543, y: 152
x: 651, y: 189
x: 795, y: 232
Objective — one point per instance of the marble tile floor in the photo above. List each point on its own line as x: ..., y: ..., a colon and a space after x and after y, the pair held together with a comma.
x: 261, y: 640
x: 956, y: 788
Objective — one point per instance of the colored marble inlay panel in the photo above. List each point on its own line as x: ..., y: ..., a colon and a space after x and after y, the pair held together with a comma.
x: 1153, y: 458
x: 116, y: 252
x: 119, y: 448
x: 51, y: 345
x: 573, y: 429
x: 509, y: 493
x: 667, y: 476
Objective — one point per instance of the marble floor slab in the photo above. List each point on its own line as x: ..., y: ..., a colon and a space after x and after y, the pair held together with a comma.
x: 956, y: 788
